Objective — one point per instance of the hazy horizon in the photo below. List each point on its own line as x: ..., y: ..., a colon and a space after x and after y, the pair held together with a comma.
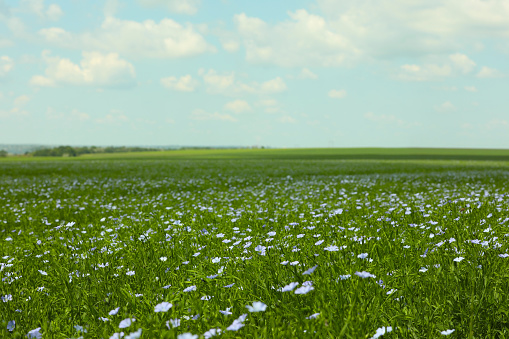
x: 298, y: 74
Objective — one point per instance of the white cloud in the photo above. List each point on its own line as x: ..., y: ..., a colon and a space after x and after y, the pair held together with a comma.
x: 238, y: 106
x: 470, y: 88
x: 6, y: 65
x: 80, y: 116
x: 388, y: 119
x: 445, y: 107
x: 114, y: 118
x: 74, y: 115
x: 344, y: 32
x: 338, y: 94
x: 148, y: 39
x: 21, y: 100
x: 184, y: 84
x: 307, y: 74
x: 230, y: 45
x: 286, y: 119
x: 53, y: 12
x: 305, y: 39
x: 174, y: 6
x: 96, y: 69
x: 276, y: 85
x: 463, y: 62
x: 487, y: 72
x: 201, y: 115
x: 424, y: 73
x: 226, y: 84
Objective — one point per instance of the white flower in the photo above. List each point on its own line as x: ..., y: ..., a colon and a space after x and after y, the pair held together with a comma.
x: 206, y: 297
x: 381, y: 331
x: 365, y: 274
x: 271, y: 234
x: 174, y: 323
x: 423, y: 269
x: 163, y: 307
x: 134, y: 335
x: 212, y: 332
x: 304, y: 289
x: 226, y: 312
x: 216, y: 260
x: 187, y: 336
x: 258, y: 306
x: 114, y: 312
x: 190, y: 288
x: 35, y: 333
x: 130, y: 273
x: 117, y: 335
x: 310, y: 270
x: 458, y: 259
x: 237, y: 323
x: 11, y: 325
x: 6, y: 298
x: 346, y: 276
x: 331, y: 248
x: 42, y: 272
x: 319, y: 242
x: 447, y: 332
x: 289, y: 287
x: 126, y: 322
x: 313, y: 316
x: 362, y: 256
x: 163, y: 258
x: 504, y: 255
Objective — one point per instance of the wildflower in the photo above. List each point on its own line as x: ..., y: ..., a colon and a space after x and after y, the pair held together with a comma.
x: 117, y: 335
x: 381, y: 331
x: 228, y: 286
x: 504, y: 255
x: 458, y: 259
x: 42, y: 272
x: 206, y: 297
x: 271, y: 234
x: 294, y: 263
x: 365, y: 274
x: 6, y: 298
x: 423, y: 269
x: 163, y: 307
x: 216, y: 260
x: 104, y: 319
x: 114, y: 312
x: 344, y: 277
x: 313, y: 316
x: 319, y: 242
x: 237, y: 323
x: 289, y: 287
x: 310, y: 270
x: 163, y: 259
x: 447, y: 332
x: 226, y: 312
x: 174, y: 323
x: 258, y: 306
x: 130, y: 273
x: 391, y: 291
x: 11, y: 325
x: 190, y: 288
x: 331, y: 248
x: 126, y: 322
x: 187, y: 336
x: 134, y: 335
x: 304, y: 289
x: 212, y: 332
x: 35, y: 333
x: 79, y: 328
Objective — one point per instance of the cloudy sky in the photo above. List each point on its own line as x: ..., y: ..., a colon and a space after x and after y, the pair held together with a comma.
x: 289, y: 73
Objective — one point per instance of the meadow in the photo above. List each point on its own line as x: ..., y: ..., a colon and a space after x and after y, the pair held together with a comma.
x: 362, y: 243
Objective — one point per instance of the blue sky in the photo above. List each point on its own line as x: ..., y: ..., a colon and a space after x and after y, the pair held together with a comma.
x: 372, y: 73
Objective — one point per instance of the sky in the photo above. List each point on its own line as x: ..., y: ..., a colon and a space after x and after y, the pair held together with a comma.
x: 287, y: 73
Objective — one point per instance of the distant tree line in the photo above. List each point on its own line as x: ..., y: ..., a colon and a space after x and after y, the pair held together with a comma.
x: 3, y: 153
x: 68, y: 151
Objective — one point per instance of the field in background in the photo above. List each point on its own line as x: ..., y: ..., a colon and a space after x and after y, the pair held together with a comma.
x: 354, y: 243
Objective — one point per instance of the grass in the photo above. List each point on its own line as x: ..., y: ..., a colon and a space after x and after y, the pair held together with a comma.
x: 82, y: 237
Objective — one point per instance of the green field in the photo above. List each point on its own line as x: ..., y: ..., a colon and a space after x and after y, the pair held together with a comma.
x: 319, y: 243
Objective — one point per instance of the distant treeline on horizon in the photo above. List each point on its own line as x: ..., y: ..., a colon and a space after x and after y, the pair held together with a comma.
x: 69, y: 151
